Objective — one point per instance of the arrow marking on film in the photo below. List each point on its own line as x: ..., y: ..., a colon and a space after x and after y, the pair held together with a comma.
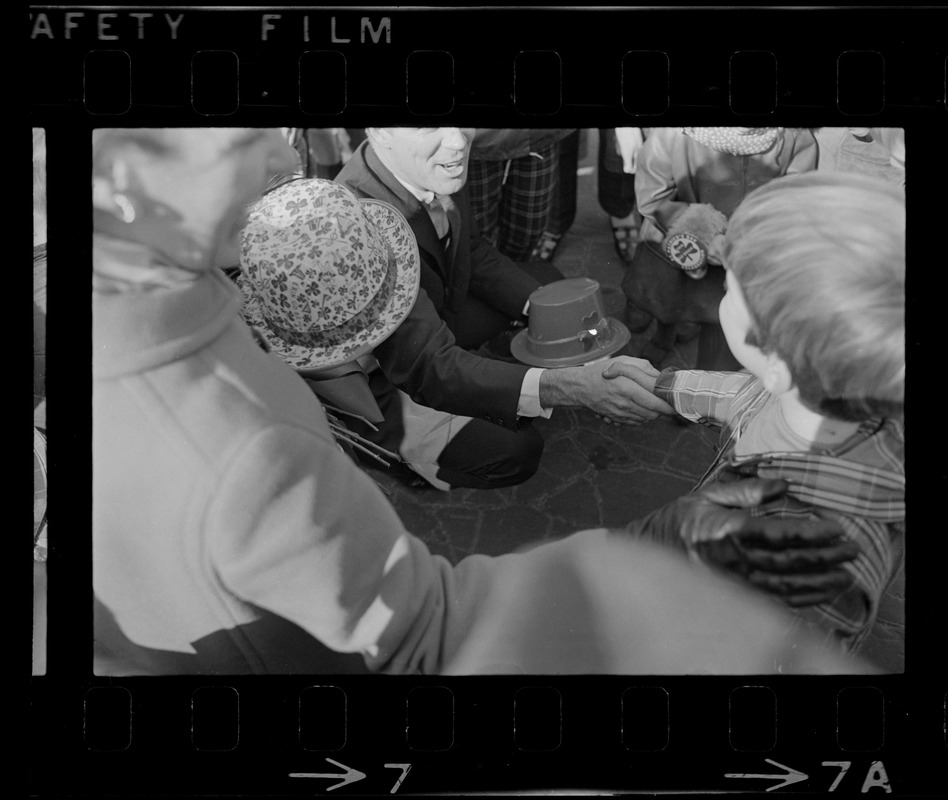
x: 791, y: 776
x: 349, y: 776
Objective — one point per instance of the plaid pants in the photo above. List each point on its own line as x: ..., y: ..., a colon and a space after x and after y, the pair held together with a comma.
x: 511, y: 199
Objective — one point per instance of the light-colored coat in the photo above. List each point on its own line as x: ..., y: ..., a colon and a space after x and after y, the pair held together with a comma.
x: 230, y: 532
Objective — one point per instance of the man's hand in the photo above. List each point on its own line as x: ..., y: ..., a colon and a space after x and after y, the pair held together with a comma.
x: 618, y: 389
x: 799, y: 561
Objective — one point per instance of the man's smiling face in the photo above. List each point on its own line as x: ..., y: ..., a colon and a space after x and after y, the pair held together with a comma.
x: 430, y: 159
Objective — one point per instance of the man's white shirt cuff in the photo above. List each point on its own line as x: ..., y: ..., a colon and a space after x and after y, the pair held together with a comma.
x: 529, y: 405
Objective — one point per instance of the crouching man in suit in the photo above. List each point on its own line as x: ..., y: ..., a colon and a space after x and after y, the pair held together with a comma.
x: 452, y: 353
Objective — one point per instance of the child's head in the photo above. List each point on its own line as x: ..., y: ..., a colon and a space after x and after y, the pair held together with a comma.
x: 819, y: 262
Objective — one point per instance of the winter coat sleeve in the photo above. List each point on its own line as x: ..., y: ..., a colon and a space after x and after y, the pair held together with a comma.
x: 656, y: 189
x: 702, y: 396
x: 298, y: 530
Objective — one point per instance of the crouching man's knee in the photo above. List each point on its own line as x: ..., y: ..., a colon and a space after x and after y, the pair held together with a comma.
x: 486, y: 456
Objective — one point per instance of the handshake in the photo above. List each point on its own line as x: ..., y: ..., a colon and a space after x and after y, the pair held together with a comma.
x: 799, y: 561
x: 619, y: 390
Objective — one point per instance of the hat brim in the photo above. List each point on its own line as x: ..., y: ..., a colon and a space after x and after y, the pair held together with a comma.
x: 520, y: 349
x: 394, y: 229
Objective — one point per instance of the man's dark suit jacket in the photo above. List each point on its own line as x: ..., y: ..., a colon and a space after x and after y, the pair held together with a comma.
x: 421, y: 357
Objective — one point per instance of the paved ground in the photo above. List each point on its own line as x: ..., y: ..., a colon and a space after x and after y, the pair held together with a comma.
x: 594, y: 474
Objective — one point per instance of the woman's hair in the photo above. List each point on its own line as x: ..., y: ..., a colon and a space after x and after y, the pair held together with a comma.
x: 820, y: 258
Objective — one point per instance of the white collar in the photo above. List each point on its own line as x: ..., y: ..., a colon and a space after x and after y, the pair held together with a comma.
x: 422, y: 195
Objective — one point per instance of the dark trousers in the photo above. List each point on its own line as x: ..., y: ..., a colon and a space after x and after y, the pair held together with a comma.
x: 481, y: 456
x: 511, y: 199
x: 486, y: 456
x: 563, y: 208
x: 616, y: 189
x: 713, y: 350
x: 476, y: 322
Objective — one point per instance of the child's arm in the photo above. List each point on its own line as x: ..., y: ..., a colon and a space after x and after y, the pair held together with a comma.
x: 655, y: 187
x: 711, y: 398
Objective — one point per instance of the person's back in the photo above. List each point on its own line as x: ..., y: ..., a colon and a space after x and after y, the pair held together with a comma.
x: 230, y: 532
x: 814, y: 311
x: 179, y: 424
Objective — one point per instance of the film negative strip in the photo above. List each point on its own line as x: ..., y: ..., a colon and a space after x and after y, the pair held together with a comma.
x: 669, y: 722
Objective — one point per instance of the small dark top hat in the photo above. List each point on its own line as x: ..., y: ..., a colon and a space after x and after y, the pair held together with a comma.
x: 568, y: 326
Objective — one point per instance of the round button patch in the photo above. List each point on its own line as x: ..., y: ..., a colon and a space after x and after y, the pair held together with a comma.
x: 685, y: 251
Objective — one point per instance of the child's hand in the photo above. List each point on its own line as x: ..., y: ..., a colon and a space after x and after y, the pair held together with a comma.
x: 698, y: 274
x: 613, y: 389
x: 695, y: 239
x: 642, y: 372
x: 716, y: 250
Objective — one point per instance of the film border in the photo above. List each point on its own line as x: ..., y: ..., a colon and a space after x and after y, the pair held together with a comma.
x: 591, y: 753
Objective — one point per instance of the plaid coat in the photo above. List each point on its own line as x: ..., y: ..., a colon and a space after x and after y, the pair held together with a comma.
x: 859, y: 483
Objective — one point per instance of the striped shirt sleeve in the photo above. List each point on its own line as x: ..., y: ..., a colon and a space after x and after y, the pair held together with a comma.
x: 711, y: 398
x: 849, y: 618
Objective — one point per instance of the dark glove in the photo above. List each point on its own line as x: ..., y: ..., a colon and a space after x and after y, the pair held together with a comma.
x: 800, y: 561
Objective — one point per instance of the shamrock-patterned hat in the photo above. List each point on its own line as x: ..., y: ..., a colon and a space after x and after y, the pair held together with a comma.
x: 326, y: 276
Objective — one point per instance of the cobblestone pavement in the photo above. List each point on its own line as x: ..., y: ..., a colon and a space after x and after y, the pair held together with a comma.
x: 594, y: 474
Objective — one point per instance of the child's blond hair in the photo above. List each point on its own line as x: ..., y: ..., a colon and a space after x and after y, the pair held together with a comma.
x: 820, y: 258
